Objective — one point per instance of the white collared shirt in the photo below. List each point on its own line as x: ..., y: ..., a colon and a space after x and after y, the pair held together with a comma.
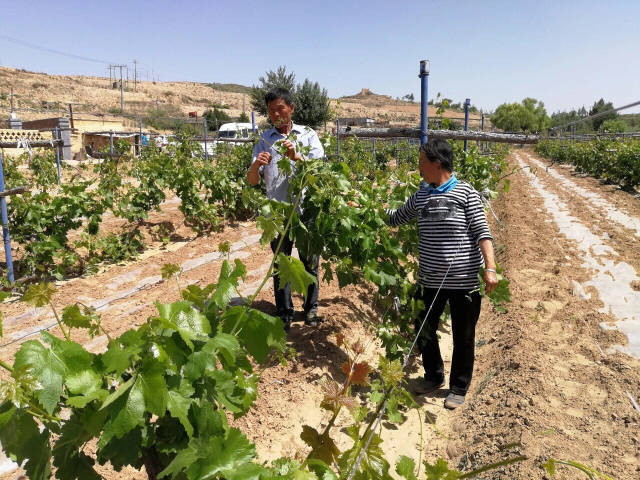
x: 276, y: 182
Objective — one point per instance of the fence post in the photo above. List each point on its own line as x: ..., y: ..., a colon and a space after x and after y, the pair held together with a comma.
x: 140, y: 137
x: 206, y: 151
x: 253, y: 122
x: 374, y: 149
x: 424, y: 103
x: 57, y: 140
x: 338, y: 136
x: 5, y: 226
x: 111, y: 145
x: 467, y: 102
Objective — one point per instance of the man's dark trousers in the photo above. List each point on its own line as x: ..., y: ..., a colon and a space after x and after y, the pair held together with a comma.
x: 465, y: 310
x: 284, y: 305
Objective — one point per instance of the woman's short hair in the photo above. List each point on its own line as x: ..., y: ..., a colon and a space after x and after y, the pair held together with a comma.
x: 438, y: 150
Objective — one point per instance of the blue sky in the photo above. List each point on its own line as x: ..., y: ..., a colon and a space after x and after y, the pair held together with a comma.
x: 567, y: 54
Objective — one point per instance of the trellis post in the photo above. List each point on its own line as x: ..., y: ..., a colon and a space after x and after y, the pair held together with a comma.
x: 5, y: 225
x: 57, y: 139
x: 467, y: 103
x: 424, y: 104
x: 204, y: 126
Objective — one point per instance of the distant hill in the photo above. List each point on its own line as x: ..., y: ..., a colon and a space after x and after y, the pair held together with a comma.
x: 41, y: 95
x: 230, y: 87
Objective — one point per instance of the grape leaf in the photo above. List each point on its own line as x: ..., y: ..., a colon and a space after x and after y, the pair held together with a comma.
x: 46, y: 367
x: 360, y: 374
x: 39, y: 294
x: 168, y: 270
x: 125, y: 412
x: 292, y: 271
x: 22, y: 440
x: 228, y: 282
x: 258, y: 332
x: 178, y: 407
x: 440, y: 471
x: 390, y: 371
x: 269, y: 227
x: 187, y: 321
x: 205, y: 458
x: 405, y: 467
x: 322, y: 446
x: 154, y: 388
x: 74, y: 318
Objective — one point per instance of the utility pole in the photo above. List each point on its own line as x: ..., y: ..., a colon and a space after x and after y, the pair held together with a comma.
x: 121, y: 92
x: 121, y: 86
x: 135, y: 76
x: 11, y: 100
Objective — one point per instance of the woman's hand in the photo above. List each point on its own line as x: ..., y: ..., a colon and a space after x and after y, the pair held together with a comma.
x: 491, y: 281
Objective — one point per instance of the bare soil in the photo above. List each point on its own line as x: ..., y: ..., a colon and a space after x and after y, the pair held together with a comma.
x: 546, y: 382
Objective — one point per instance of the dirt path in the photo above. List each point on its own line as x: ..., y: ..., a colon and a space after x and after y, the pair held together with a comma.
x: 548, y: 376
x: 550, y: 373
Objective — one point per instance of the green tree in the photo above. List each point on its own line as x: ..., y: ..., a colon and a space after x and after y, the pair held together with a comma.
x: 278, y: 79
x: 599, y: 107
x: 216, y: 117
x: 311, y: 104
x: 613, y: 125
x: 243, y: 118
x: 527, y: 116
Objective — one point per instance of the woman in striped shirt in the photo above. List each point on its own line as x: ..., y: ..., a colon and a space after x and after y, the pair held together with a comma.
x: 454, y: 241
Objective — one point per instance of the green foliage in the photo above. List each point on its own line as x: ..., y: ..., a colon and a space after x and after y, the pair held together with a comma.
x: 164, y: 117
x: 599, y: 107
x: 216, y: 117
x: 278, y: 79
x: 311, y: 104
x: 160, y: 395
x: 243, y: 117
x: 614, y: 125
x: 527, y: 116
x: 614, y: 160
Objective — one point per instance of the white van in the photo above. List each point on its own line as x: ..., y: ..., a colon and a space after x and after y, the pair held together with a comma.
x: 235, y: 130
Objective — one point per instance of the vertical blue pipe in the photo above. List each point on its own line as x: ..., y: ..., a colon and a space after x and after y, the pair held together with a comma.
x: 253, y: 122
x: 58, y: 152
x: 467, y: 102
x: 206, y: 151
x: 482, y: 123
x: 5, y: 226
x: 424, y: 104
x: 338, y: 136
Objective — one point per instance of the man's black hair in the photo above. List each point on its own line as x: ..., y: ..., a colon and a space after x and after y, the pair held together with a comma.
x: 438, y: 150
x: 277, y: 93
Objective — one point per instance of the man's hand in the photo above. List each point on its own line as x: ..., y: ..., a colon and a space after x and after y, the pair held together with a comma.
x: 291, y: 151
x: 264, y: 158
x: 253, y: 175
x: 490, y: 280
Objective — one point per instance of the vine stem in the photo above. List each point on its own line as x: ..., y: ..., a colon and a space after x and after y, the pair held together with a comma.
x: 277, y: 251
x: 64, y: 332
x: 6, y: 366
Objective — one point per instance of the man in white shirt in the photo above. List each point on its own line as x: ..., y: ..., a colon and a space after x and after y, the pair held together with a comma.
x: 280, y: 109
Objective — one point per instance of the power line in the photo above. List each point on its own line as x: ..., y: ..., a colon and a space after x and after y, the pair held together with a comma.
x: 596, y: 115
x: 51, y: 50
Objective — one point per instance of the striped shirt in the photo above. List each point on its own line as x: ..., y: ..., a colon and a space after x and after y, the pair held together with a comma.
x: 450, y: 225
